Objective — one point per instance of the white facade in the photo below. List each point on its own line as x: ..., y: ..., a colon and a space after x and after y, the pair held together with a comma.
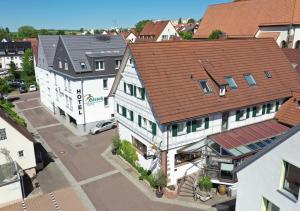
x: 283, y: 33
x: 168, y: 33
x: 83, y: 100
x: 6, y: 60
x: 131, y: 37
x: 262, y: 179
x: 10, y: 193
x: 131, y: 129
x: 20, y: 149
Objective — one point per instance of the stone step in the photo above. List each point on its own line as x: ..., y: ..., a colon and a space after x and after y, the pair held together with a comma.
x: 186, y: 195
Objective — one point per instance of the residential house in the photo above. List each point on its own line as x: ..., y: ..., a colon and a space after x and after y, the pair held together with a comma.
x: 130, y: 36
x: 158, y: 31
x: 278, y: 19
x: 12, y: 52
x: 270, y: 180
x: 191, y: 114
x: 75, y: 74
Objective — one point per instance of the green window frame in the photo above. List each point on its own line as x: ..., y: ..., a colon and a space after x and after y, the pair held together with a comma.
x: 189, y: 127
x: 153, y: 129
x: 269, y: 106
x: 125, y: 87
x: 248, y: 113
x: 277, y: 106
x: 264, y: 109
x: 143, y: 93
x: 238, y: 115
x: 118, y: 109
x: 131, y: 116
x: 124, y: 112
x: 206, y: 123
x: 174, y: 130
x: 254, y: 110
x: 140, y: 120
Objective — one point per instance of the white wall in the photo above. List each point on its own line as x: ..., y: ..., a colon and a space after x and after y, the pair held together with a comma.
x: 5, y: 61
x: 10, y: 193
x: 131, y: 38
x: 14, y: 143
x: 262, y: 178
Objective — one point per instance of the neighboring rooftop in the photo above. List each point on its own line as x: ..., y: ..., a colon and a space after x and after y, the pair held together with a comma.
x: 294, y: 57
x: 289, y: 113
x: 243, y: 18
x: 13, y: 48
x: 152, y: 30
x: 172, y: 71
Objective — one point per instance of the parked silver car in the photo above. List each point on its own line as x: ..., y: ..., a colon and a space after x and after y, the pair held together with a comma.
x: 103, y: 125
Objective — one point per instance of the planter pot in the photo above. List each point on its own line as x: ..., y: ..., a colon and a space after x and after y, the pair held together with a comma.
x: 159, y: 194
x: 222, y: 189
x: 114, y: 151
x: 171, y: 193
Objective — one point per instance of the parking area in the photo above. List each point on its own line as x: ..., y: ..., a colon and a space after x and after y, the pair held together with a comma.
x: 104, y: 186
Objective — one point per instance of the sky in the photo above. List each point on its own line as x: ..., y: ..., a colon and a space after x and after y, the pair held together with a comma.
x: 74, y: 14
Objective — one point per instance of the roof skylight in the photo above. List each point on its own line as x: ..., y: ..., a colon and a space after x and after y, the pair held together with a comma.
x: 250, y: 79
x: 231, y: 82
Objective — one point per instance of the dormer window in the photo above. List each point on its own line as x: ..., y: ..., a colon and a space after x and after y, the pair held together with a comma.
x: 118, y: 64
x: 231, y: 82
x: 250, y: 79
x: 59, y: 64
x: 82, y: 65
x: 66, y: 65
x: 205, y: 87
x: 99, y: 65
x: 268, y: 74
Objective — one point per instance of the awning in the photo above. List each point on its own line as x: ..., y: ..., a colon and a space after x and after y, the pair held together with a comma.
x: 249, y: 134
x: 193, y: 148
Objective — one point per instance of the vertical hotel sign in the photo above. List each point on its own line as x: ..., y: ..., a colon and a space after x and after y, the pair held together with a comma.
x: 80, y: 101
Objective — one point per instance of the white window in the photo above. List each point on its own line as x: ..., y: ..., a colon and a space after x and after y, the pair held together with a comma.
x: 71, y: 104
x: 291, y: 180
x: 105, y: 83
x: 67, y: 101
x: 106, y: 103
x: 59, y: 64
x: 99, y: 65
x: 139, y: 92
x: 165, y: 37
x: 269, y: 206
x: 66, y: 66
x: 200, y: 124
x: 181, y: 128
x: 21, y: 153
x: 144, y: 123
x: 259, y: 110
x: 3, y: 134
x: 118, y: 64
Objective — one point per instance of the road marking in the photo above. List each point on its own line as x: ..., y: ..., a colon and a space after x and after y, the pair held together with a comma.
x: 53, y: 199
x: 47, y: 126
x: 93, y: 179
x: 26, y: 109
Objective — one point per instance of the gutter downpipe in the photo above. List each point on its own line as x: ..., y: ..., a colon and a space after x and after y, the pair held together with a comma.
x: 83, y: 107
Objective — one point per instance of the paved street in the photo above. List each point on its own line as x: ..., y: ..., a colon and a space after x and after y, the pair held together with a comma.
x: 90, y: 174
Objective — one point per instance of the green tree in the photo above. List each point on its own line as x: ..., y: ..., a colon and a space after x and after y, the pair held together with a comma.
x: 191, y: 20
x: 7, y: 30
x: 4, y: 33
x: 4, y: 87
x: 97, y: 31
x: 13, y: 70
x: 140, y: 25
x: 60, y: 32
x: 215, y: 34
x: 180, y: 21
x: 81, y: 30
x: 186, y: 35
x: 27, y: 64
x: 27, y: 32
x: 44, y: 32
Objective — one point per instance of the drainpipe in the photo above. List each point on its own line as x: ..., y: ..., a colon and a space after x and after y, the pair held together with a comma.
x: 83, y: 107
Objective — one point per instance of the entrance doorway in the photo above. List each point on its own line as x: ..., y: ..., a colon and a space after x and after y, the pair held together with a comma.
x: 225, y: 117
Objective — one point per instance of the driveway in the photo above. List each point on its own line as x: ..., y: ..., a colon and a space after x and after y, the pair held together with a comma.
x: 105, y: 187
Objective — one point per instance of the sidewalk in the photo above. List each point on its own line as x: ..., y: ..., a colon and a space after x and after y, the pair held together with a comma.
x: 132, y: 176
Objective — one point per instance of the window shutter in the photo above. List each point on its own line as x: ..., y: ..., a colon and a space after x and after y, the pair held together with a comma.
x: 237, y: 115
x: 206, y: 122
x: 125, y: 87
x: 143, y: 93
x: 254, y: 110
x: 268, y: 108
x: 131, y: 89
x: 248, y: 113
x: 188, y: 127
x: 118, y: 108
x: 264, y: 109
x: 131, y: 115
x: 140, y: 120
x: 153, y: 129
x: 174, y: 130
x: 123, y: 111
x: 194, y: 126
x: 134, y: 91
x: 277, y: 106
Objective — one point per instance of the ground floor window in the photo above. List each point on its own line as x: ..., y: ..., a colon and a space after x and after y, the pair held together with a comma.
x: 189, y: 157
x: 62, y: 112
x: 72, y: 120
x: 269, y: 206
x: 141, y: 148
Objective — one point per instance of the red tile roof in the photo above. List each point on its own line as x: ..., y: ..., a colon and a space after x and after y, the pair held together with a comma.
x: 289, y: 112
x: 249, y: 134
x: 153, y: 29
x: 294, y: 57
x: 171, y: 72
x: 243, y: 18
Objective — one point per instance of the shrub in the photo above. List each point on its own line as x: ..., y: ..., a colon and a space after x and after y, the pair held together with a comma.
x: 160, y: 180
x: 7, y: 107
x: 128, y: 152
x: 205, y: 183
x: 116, y: 141
x: 215, y: 35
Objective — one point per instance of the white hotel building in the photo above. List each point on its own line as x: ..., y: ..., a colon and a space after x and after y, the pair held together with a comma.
x: 187, y: 106
x: 75, y: 75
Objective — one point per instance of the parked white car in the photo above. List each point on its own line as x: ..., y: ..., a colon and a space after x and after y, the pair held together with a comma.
x: 32, y: 88
x: 103, y: 126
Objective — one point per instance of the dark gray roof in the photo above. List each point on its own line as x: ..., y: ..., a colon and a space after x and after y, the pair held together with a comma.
x: 13, y: 48
x: 49, y: 43
x: 81, y: 47
x: 264, y: 151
